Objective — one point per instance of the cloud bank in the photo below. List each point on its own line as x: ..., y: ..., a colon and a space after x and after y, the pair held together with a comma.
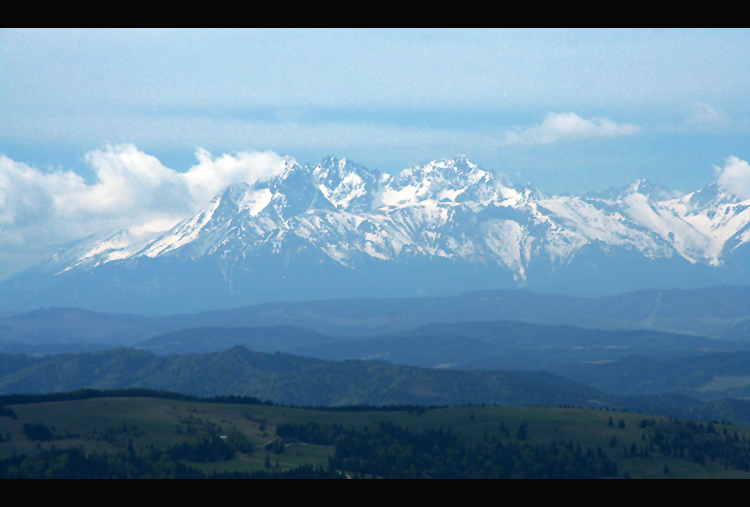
x: 734, y: 177
x: 568, y: 126
x: 40, y: 210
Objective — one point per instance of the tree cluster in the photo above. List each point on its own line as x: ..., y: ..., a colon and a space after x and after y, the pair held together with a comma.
x: 390, y: 451
x: 696, y: 442
x: 150, y: 463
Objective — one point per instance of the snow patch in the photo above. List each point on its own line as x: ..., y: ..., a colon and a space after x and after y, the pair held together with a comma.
x: 255, y: 202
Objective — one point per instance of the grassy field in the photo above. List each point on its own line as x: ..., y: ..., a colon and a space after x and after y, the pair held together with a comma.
x: 113, y: 424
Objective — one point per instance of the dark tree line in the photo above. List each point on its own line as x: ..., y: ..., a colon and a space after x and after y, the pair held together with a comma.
x: 696, y: 442
x: 390, y: 451
x: 150, y: 463
x: 85, y: 394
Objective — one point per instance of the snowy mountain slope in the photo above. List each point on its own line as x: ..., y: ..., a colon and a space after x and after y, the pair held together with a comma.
x: 451, y: 209
x: 95, y: 250
x: 339, y: 219
x: 346, y: 185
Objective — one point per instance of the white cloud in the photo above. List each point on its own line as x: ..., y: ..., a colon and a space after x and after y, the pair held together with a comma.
x: 734, y: 177
x: 568, y: 126
x: 706, y: 114
x: 211, y: 175
x: 129, y: 182
x: 41, y: 210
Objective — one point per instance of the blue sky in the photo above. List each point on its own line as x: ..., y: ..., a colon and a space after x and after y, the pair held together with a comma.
x: 568, y: 111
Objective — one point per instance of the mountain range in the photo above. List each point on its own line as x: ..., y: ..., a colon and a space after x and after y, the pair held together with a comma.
x: 340, y: 230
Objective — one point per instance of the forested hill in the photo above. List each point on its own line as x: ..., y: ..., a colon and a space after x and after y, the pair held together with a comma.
x: 288, y: 379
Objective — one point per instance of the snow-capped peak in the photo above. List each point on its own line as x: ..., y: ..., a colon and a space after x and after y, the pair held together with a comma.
x: 449, y: 208
x: 708, y: 197
x: 652, y: 191
x: 445, y: 180
x: 347, y: 185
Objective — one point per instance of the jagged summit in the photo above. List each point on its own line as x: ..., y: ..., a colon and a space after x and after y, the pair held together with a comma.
x: 346, y: 185
x: 653, y: 191
x: 338, y: 228
x: 435, y: 209
x: 710, y: 196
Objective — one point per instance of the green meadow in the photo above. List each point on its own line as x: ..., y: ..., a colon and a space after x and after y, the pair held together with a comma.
x: 115, y: 424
